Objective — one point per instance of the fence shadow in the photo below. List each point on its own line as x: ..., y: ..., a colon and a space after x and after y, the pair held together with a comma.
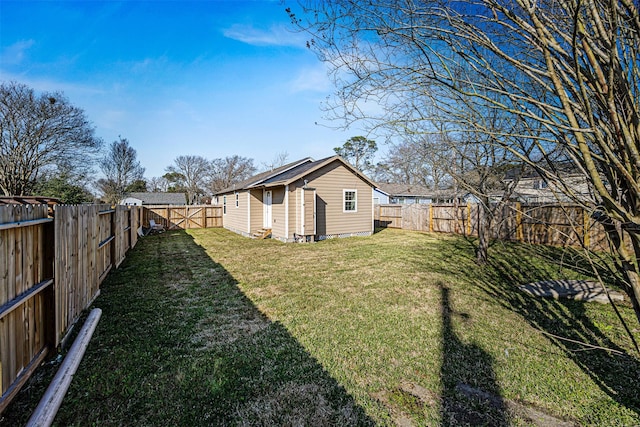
x: 180, y: 344
x: 468, y: 378
x: 565, y: 322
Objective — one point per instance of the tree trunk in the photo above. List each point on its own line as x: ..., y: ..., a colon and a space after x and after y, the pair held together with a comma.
x: 482, y: 251
x: 626, y: 262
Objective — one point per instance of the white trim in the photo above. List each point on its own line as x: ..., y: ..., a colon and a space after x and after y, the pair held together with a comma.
x: 237, y: 195
x: 302, y: 224
x: 315, y: 206
x: 373, y: 213
x: 248, y: 211
x: 344, y: 200
x: 224, y: 205
x: 286, y: 211
x: 267, y: 212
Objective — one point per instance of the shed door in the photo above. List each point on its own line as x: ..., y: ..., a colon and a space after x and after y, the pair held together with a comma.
x: 267, y: 217
x: 309, y: 212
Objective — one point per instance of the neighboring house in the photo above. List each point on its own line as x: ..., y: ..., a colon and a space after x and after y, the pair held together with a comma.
x: 532, y: 188
x: 380, y: 197
x: 301, y: 201
x: 412, y: 193
x: 147, y: 199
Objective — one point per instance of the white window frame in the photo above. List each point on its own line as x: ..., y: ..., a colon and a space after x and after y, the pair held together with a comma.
x: 344, y: 201
x: 237, y: 199
x: 224, y: 205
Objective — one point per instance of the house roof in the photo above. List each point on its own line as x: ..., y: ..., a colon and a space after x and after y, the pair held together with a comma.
x: 405, y: 190
x: 291, y: 172
x: 249, y: 182
x: 159, y: 198
x: 564, y: 168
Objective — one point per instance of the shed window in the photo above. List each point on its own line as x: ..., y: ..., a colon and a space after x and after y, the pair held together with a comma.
x: 224, y: 205
x: 350, y: 200
x: 237, y: 200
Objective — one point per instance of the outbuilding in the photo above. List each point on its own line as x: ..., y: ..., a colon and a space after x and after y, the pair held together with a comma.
x: 155, y: 198
x: 304, y: 200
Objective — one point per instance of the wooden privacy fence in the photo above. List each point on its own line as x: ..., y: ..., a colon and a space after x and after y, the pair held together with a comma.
x: 184, y: 217
x: 566, y: 225
x: 26, y: 291
x: 50, y: 271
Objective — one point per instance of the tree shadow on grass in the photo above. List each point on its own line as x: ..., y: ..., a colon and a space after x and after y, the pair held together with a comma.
x: 565, y: 323
x: 180, y: 344
x: 471, y: 394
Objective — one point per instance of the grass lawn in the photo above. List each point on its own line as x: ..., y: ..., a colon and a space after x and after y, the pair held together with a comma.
x: 206, y: 327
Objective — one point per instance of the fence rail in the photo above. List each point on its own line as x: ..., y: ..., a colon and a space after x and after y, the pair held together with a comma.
x: 567, y: 225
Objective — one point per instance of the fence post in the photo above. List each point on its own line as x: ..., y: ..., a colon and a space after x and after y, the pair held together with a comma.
x: 50, y: 306
x: 430, y: 217
x: 519, y: 230
x: 468, y: 218
x: 114, y: 242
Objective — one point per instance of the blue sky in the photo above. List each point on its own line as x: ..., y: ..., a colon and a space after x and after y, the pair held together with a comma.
x: 211, y: 78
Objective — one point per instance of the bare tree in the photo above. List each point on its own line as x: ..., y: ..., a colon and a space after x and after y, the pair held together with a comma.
x: 415, y: 161
x: 191, y: 174
x: 121, y: 169
x: 157, y: 184
x: 280, y: 159
x: 584, y: 56
x: 41, y: 133
x: 230, y: 170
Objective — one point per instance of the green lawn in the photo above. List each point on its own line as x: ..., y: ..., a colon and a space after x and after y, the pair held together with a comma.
x: 209, y: 328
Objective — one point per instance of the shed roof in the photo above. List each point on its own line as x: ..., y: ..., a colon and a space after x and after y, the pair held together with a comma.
x: 291, y: 172
x: 405, y: 190
x: 262, y: 176
x: 159, y: 198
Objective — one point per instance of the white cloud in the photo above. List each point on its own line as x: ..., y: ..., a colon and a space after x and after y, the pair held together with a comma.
x: 44, y: 84
x: 313, y: 79
x: 149, y: 65
x: 277, y: 35
x: 15, y: 53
